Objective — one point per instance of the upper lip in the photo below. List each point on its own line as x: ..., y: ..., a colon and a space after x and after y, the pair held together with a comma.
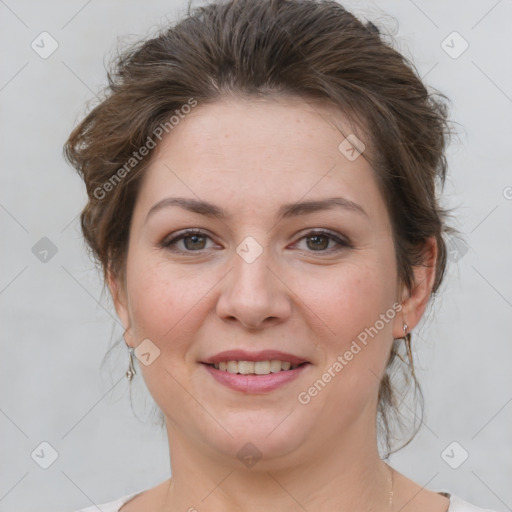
x: 263, y: 355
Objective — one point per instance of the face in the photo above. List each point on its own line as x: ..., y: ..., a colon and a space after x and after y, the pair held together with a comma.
x: 313, y: 285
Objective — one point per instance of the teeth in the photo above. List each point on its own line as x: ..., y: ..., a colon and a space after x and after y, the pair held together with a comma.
x: 262, y: 367
x: 285, y: 365
x: 275, y: 366
x: 244, y: 367
x: 255, y: 368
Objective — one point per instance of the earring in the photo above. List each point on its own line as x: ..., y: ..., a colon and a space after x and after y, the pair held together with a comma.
x: 131, y: 369
x: 407, y: 339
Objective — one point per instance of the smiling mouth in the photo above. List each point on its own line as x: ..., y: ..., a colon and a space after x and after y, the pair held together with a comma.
x: 255, y: 367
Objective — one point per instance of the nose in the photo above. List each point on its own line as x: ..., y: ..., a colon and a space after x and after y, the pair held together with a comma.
x: 254, y: 294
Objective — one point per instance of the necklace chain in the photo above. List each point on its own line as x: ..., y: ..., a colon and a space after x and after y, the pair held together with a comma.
x: 390, y: 478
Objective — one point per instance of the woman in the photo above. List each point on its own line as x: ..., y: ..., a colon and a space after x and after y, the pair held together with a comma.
x: 262, y: 199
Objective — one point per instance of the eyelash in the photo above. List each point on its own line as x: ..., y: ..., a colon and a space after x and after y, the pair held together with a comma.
x: 343, y: 244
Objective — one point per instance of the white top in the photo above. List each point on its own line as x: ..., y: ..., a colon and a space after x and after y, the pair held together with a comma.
x: 456, y: 504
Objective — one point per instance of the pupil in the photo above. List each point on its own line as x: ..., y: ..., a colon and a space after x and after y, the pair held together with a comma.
x: 195, y: 237
x: 316, y: 237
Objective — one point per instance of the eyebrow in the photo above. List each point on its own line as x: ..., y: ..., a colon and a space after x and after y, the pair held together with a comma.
x: 285, y: 211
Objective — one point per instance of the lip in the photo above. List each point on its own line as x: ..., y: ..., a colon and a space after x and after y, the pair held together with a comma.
x: 263, y: 355
x: 254, y: 384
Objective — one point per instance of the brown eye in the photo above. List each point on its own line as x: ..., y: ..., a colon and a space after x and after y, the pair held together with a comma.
x: 318, y: 241
x: 196, y: 242
x: 193, y: 241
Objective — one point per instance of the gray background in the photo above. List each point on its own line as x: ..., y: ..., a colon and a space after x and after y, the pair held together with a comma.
x: 57, y: 325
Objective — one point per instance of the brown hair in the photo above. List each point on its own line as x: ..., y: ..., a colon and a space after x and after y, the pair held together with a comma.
x: 312, y: 49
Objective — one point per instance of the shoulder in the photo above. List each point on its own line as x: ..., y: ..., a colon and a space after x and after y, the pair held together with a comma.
x: 111, y: 506
x: 459, y: 505
x: 145, y: 499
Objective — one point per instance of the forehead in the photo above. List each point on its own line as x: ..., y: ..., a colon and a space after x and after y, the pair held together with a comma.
x: 284, y: 122
x: 258, y: 149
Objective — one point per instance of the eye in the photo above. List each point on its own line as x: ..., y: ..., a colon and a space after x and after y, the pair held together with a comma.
x: 319, y: 240
x: 194, y: 240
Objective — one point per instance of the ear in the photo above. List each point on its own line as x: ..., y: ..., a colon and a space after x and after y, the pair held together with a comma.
x: 415, y: 301
x: 119, y: 297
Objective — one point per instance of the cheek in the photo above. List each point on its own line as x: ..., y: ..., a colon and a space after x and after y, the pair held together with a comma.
x: 358, y: 305
x: 349, y: 299
x: 166, y: 301
x: 164, y: 307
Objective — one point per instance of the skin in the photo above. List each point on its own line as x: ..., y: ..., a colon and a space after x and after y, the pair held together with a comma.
x: 249, y: 157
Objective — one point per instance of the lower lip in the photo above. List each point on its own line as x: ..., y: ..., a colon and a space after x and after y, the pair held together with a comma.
x: 255, y: 383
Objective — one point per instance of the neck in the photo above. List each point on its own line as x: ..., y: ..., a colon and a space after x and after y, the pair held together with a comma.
x: 345, y: 474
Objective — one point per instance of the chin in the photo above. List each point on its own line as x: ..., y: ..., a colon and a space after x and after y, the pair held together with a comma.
x: 267, y: 437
